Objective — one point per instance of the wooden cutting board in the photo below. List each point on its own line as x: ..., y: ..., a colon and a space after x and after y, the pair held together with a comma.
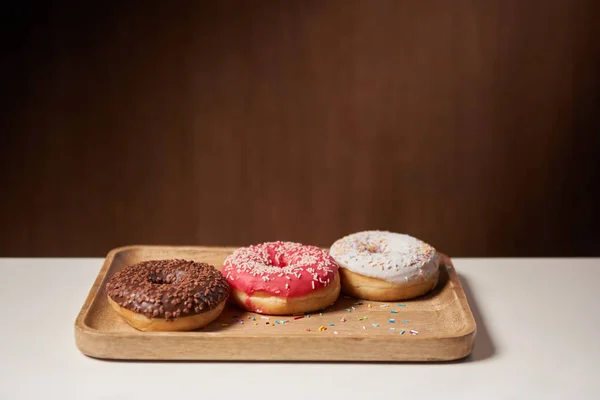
x: 436, y: 327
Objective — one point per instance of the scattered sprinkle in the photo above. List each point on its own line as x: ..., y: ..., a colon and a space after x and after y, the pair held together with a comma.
x: 335, y: 332
x: 392, y: 329
x: 402, y: 332
x: 358, y: 303
x: 384, y: 306
x: 249, y: 317
x: 263, y: 317
x: 392, y: 321
x: 322, y: 328
x: 253, y: 319
x: 394, y: 311
x: 267, y: 323
x: 321, y: 314
x: 401, y: 305
x: 375, y: 325
x: 365, y: 317
x: 405, y: 320
x: 413, y: 332
x: 368, y: 305
x: 241, y: 321
x: 276, y: 322
x: 256, y: 323
x: 307, y: 329
x: 360, y: 319
x: 354, y: 308
x: 349, y: 310
x: 343, y: 320
x: 224, y: 324
x: 299, y: 317
x: 364, y: 327
x: 331, y: 324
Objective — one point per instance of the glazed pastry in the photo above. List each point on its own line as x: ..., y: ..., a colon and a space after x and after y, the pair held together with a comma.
x: 385, y: 266
x: 168, y: 295
x: 282, y: 278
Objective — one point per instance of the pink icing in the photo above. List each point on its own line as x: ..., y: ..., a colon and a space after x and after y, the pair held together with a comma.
x: 284, y: 269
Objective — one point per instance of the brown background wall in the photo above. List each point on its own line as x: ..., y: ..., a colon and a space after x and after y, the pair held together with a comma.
x: 473, y: 126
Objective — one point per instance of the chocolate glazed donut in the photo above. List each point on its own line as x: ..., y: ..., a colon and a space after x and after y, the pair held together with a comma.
x: 168, y: 295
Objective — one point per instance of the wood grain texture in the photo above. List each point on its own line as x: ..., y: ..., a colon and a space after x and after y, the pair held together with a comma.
x: 473, y: 126
x: 443, y: 319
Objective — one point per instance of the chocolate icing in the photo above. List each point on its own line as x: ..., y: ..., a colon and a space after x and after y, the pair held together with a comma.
x: 168, y: 288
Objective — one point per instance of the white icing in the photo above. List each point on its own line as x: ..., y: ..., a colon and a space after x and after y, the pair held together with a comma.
x: 389, y: 256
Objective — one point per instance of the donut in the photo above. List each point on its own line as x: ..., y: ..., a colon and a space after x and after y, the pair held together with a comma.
x: 385, y: 266
x: 168, y: 295
x: 281, y: 278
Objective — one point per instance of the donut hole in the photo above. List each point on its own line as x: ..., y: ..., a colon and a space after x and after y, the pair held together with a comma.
x: 278, y: 260
x: 371, y: 248
x: 165, y: 278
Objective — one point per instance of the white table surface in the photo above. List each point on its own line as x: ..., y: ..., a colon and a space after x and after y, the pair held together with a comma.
x: 538, y: 338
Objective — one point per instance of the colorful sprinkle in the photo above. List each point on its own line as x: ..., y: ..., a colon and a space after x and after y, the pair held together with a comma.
x: 276, y: 322
x: 364, y: 327
x: 263, y: 317
x: 358, y: 303
x: 321, y: 314
x: 354, y: 308
x: 224, y: 324
x: 349, y: 310
x: 405, y: 320
x: 392, y: 321
x: 256, y: 323
x: 401, y: 305
x: 322, y: 328
x: 343, y: 320
x: 331, y: 324
x: 368, y: 305
x: 307, y: 329
x: 360, y: 319
x: 253, y: 319
x: 392, y: 329
x: 241, y: 321
x: 394, y: 311
x: 375, y: 325
x: 384, y: 306
x: 402, y: 332
x: 335, y: 332
x: 299, y: 317
x: 413, y: 332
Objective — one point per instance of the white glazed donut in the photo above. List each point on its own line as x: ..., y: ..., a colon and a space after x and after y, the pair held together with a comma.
x: 385, y: 266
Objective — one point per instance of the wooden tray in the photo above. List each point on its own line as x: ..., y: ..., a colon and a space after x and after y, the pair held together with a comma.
x: 445, y: 325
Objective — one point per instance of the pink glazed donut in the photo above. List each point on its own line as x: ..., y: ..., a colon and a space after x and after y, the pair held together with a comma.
x: 281, y: 278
